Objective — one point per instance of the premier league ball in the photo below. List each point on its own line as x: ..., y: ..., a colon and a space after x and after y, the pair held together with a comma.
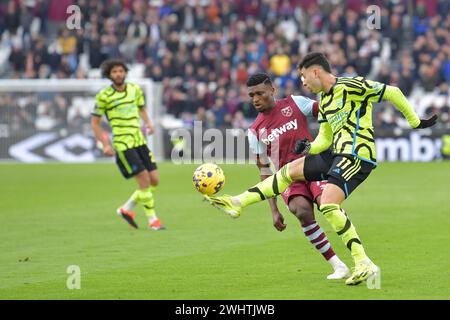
x: 208, y: 179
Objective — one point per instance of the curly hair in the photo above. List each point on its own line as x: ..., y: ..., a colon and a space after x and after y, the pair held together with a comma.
x: 108, y: 65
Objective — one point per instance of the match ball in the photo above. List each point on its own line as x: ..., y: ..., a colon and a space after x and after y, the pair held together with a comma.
x: 208, y: 179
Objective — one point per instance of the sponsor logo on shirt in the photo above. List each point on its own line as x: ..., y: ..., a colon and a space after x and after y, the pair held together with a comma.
x: 337, y: 121
x: 277, y: 132
x: 127, y: 110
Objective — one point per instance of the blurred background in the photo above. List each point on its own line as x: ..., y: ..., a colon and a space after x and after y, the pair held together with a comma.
x: 193, y: 59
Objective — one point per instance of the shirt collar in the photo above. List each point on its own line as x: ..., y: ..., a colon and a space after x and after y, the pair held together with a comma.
x: 332, y: 88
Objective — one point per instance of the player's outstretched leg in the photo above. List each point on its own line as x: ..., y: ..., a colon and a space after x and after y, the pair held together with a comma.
x: 268, y: 188
x: 226, y: 204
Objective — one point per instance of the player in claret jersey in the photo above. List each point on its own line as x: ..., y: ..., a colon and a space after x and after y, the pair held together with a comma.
x: 273, y: 135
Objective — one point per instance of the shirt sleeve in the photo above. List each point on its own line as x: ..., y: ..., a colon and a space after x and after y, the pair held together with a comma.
x: 256, y: 146
x: 100, y: 106
x: 306, y: 105
x: 140, y: 100
x: 323, y: 140
x: 396, y: 97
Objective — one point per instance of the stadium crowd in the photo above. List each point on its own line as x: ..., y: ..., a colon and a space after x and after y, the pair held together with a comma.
x: 203, y: 50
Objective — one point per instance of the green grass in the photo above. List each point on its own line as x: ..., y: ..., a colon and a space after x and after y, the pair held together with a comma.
x: 54, y: 215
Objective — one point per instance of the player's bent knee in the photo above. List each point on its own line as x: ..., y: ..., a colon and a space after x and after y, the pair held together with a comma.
x: 302, y: 210
x: 332, y: 195
x: 305, y: 215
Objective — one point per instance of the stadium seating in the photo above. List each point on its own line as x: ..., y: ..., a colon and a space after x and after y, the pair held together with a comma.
x: 202, y: 51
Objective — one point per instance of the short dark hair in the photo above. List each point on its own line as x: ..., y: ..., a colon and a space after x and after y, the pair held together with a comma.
x: 315, y: 58
x: 108, y: 65
x: 258, y: 78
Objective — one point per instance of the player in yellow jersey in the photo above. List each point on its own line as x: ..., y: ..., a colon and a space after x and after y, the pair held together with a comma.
x: 123, y: 105
x: 345, y: 114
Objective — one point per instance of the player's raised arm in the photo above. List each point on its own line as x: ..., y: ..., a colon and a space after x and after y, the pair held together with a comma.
x: 323, y: 140
x: 373, y: 91
x: 397, y: 98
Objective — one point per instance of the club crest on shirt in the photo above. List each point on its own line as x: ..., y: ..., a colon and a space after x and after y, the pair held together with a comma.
x: 286, y: 111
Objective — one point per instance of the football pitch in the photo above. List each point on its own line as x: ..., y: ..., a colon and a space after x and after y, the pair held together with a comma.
x: 53, y: 216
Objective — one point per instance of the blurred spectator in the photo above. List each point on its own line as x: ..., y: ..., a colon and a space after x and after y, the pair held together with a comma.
x: 17, y: 58
x: 406, y: 81
x: 220, y: 111
x: 67, y: 42
x: 239, y: 121
x: 280, y: 63
x: 430, y: 77
x: 12, y: 18
x: 60, y: 108
x: 135, y: 38
x: 40, y: 54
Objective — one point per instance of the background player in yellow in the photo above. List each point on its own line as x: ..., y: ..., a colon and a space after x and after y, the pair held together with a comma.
x: 345, y: 114
x: 123, y: 105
